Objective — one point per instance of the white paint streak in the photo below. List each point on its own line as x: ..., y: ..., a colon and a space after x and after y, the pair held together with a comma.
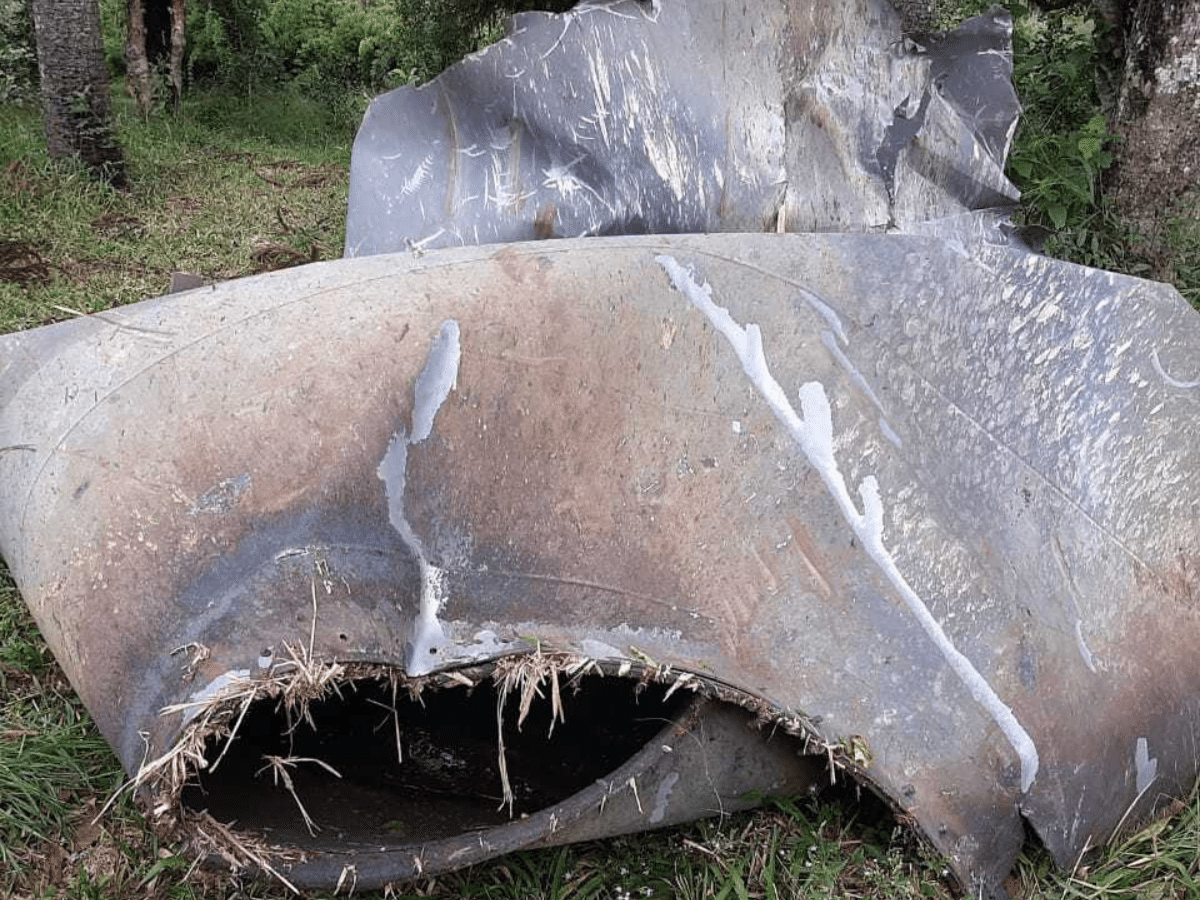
x: 849, y: 368
x: 432, y: 387
x: 662, y: 797
x: 1145, y: 765
x: 662, y: 151
x: 559, y: 178
x: 203, y: 697
x: 826, y: 312
x: 436, y: 380
x: 601, y: 92
x: 889, y: 433
x: 812, y: 429
x: 425, y: 241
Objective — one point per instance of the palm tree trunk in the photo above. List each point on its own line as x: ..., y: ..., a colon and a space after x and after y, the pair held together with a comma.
x: 74, y: 86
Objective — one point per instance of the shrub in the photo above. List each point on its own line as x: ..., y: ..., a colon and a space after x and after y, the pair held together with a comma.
x: 1062, y: 146
x: 18, y: 61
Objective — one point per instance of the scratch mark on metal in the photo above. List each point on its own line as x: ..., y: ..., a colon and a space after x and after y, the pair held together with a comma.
x: 420, y: 175
x: 1162, y: 373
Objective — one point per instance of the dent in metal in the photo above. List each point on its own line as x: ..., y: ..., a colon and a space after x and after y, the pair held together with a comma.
x: 603, y: 488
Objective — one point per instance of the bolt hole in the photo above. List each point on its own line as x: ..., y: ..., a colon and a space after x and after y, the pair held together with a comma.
x: 342, y: 636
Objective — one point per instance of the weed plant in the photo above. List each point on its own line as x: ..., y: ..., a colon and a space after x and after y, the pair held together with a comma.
x: 1064, y: 144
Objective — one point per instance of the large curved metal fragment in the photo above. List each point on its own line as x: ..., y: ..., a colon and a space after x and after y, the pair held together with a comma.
x: 946, y: 524
x: 671, y: 116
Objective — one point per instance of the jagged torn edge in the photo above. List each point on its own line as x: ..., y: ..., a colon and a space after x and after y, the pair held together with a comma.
x: 813, y: 431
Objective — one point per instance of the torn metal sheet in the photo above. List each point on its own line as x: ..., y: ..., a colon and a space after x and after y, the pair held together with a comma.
x: 673, y: 117
x: 944, y: 528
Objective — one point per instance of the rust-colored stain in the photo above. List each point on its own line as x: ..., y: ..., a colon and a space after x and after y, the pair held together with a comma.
x: 543, y: 222
x: 590, y: 486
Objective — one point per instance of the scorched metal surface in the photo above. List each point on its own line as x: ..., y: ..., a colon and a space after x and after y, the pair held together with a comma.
x: 949, y: 522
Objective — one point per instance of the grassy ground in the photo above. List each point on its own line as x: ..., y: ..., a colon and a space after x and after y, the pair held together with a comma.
x: 230, y: 188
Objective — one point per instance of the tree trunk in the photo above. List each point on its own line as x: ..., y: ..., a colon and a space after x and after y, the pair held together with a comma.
x: 1158, y: 115
x: 178, y: 22
x: 74, y: 86
x: 137, y: 62
x: 156, y: 37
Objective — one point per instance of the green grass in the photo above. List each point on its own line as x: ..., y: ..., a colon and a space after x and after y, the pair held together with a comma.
x: 218, y: 201
x: 233, y: 186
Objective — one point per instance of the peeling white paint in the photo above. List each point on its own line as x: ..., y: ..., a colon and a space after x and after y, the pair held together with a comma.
x: 662, y: 797
x: 436, y: 380
x: 1145, y: 765
x: 201, y: 698
x: 812, y: 430
x: 434, y: 383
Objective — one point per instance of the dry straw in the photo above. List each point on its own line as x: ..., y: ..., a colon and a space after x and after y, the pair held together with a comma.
x: 298, y: 678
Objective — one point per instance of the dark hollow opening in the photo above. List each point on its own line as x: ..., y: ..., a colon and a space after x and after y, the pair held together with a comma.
x: 448, y: 781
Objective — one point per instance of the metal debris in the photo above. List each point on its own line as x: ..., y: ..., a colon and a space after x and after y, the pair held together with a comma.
x: 921, y: 498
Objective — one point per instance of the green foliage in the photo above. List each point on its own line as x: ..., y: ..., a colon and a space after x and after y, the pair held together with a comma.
x: 1060, y: 172
x: 18, y: 61
x: 48, y: 748
x: 113, y: 29
x: 325, y: 47
x: 1062, y: 147
x: 225, y: 49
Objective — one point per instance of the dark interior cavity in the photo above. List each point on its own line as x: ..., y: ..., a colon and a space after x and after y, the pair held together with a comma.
x: 448, y: 781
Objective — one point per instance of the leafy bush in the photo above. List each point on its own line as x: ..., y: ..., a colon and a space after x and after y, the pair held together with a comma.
x: 1060, y: 172
x: 329, y: 48
x: 226, y: 48
x: 1061, y: 149
x: 114, y: 28
x: 18, y: 62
